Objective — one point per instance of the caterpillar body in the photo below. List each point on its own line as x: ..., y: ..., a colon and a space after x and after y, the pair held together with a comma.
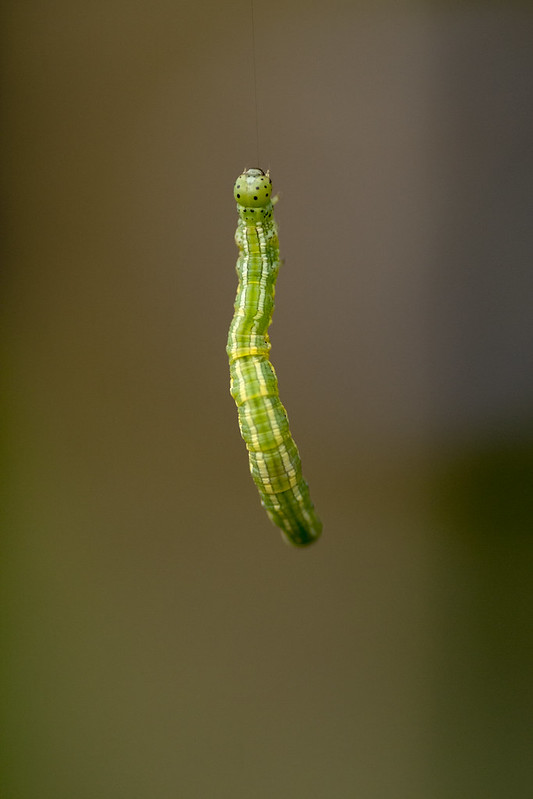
x: 274, y: 459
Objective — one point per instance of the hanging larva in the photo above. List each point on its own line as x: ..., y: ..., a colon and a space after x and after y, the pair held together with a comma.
x: 274, y: 459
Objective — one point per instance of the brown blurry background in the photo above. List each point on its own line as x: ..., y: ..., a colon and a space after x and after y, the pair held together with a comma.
x: 159, y: 638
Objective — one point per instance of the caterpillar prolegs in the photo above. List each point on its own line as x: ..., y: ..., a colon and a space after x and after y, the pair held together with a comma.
x: 274, y: 459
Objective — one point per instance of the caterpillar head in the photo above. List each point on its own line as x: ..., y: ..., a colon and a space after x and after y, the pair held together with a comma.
x: 253, y: 192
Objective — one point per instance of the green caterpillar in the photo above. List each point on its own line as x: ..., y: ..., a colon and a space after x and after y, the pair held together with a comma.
x: 274, y: 460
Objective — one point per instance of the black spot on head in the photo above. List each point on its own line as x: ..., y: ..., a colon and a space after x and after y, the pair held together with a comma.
x: 238, y: 195
x: 255, y: 197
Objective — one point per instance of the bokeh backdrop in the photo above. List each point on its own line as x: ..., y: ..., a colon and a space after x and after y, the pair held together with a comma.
x: 159, y: 638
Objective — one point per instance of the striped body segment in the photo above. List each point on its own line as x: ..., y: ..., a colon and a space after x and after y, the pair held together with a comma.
x: 274, y: 460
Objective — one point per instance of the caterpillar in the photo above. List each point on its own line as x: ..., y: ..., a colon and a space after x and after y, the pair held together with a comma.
x: 274, y: 459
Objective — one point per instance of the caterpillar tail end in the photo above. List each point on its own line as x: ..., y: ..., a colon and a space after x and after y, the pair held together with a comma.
x: 298, y: 533
x: 302, y: 538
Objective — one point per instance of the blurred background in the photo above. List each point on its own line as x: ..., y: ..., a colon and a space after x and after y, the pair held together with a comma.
x: 159, y: 638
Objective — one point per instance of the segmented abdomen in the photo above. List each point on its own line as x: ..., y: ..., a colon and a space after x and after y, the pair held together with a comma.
x: 274, y: 459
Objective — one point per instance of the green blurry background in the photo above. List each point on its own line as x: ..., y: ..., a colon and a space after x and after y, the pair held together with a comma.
x: 159, y: 639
